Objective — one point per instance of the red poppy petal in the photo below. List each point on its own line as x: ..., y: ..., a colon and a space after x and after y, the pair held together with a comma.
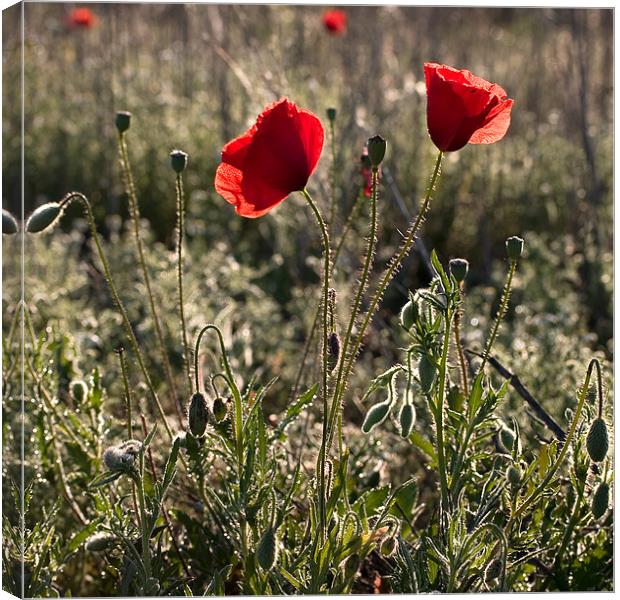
x: 235, y: 151
x: 228, y: 184
x: 498, y: 122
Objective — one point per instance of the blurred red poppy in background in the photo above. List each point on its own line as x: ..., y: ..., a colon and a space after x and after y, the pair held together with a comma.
x: 335, y: 21
x: 462, y: 108
x: 81, y: 18
x: 273, y: 158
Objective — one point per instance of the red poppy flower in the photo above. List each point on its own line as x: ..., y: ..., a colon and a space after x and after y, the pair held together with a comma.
x: 335, y: 21
x: 273, y: 158
x: 367, y: 173
x: 462, y: 108
x: 82, y: 17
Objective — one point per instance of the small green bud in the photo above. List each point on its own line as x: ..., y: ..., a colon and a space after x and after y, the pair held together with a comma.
x: 198, y: 415
x: 427, y: 373
x: 99, y: 542
x: 513, y: 476
x: 331, y: 114
x: 267, y: 550
x: 600, y: 500
x: 407, y: 420
x: 389, y: 546
x: 409, y: 314
x: 376, y: 415
x: 123, y: 121
x: 79, y: 391
x: 43, y: 217
x: 178, y: 160
x: 597, y: 442
x: 333, y: 350
x: 459, y: 268
x: 219, y: 409
x: 9, y: 224
x: 376, y: 150
x: 514, y: 247
x: 506, y: 438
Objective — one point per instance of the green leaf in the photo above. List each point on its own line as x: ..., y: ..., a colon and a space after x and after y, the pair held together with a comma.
x: 170, y: 465
x: 79, y: 538
x: 293, y: 412
x: 417, y: 439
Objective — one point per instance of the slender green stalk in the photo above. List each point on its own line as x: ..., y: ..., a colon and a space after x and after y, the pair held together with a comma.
x: 119, y: 305
x: 332, y: 173
x: 357, y: 303
x: 146, y: 534
x: 459, y: 345
x: 503, y: 307
x: 394, y: 265
x: 324, y: 369
x: 568, y: 532
x: 180, y: 231
x: 121, y: 356
x: 134, y: 211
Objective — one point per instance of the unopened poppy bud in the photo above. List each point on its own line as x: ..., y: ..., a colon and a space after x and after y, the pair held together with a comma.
x: 513, y: 476
x: 506, y: 439
x: 427, y: 372
x: 99, y: 542
x: 219, y: 409
x: 9, y: 224
x: 389, y: 546
x: 514, y: 247
x: 376, y: 150
x: 459, y: 268
x: 376, y: 415
x: 178, y: 160
x: 198, y: 415
x: 600, y: 500
x: 597, y: 442
x: 409, y: 314
x: 333, y: 350
x: 122, y: 458
x: 123, y: 120
x: 79, y: 391
x: 43, y: 217
x: 331, y: 114
x: 407, y: 420
x: 267, y: 550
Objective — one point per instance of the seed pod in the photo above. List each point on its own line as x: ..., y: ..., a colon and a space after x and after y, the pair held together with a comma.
x: 506, y: 438
x: 459, y: 268
x: 600, y: 500
x: 178, y: 160
x: 123, y: 121
x: 376, y: 415
x: 9, y: 224
x: 409, y: 315
x: 198, y: 415
x: 376, y: 150
x: 333, y: 351
x: 219, y: 409
x: 407, y: 420
x: 514, y: 247
x: 331, y: 114
x: 597, y: 442
x: 389, y: 546
x: 267, y: 550
x: 99, y: 542
x: 513, y: 476
x: 79, y: 391
x: 43, y: 217
x: 427, y: 372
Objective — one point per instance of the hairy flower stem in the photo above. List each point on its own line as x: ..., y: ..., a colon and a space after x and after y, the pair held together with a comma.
x: 180, y: 231
x: 389, y: 273
x: 501, y: 313
x: 146, y: 534
x: 121, y: 357
x: 322, y: 458
x: 357, y: 303
x: 332, y: 173
x: 119, y: 305
x: 459, y: 345
x: 134, y: 211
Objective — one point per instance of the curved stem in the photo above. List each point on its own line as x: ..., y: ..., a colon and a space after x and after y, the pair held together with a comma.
x: 135, y: 218
x: 180, y: 230
x: 324, y: 368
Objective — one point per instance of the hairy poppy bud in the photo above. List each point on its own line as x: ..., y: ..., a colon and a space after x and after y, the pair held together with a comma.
x: 506, y: 438
x: 427, y: 372
x: 597, y: 442
x: 219, y: 409
x: 376, y: 150
x: 198, y: 415
x: 459, y: 268
x: 122, y: 458
x: 600, y: 500
x: 409, y: 314
x: 178, y: 160
x: 79, y: 391
x: 331, y: 114
x: 514, y: 247
x: 513, y: 476
x: 333, y: 350
x: 267, y: 550
x: 407, y: 420
x: 376, y: 415
x: 389, y: 546
x: 43, y: 217
x: 123, y: 121
x: 99, y: 542
x: 9, y: 224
